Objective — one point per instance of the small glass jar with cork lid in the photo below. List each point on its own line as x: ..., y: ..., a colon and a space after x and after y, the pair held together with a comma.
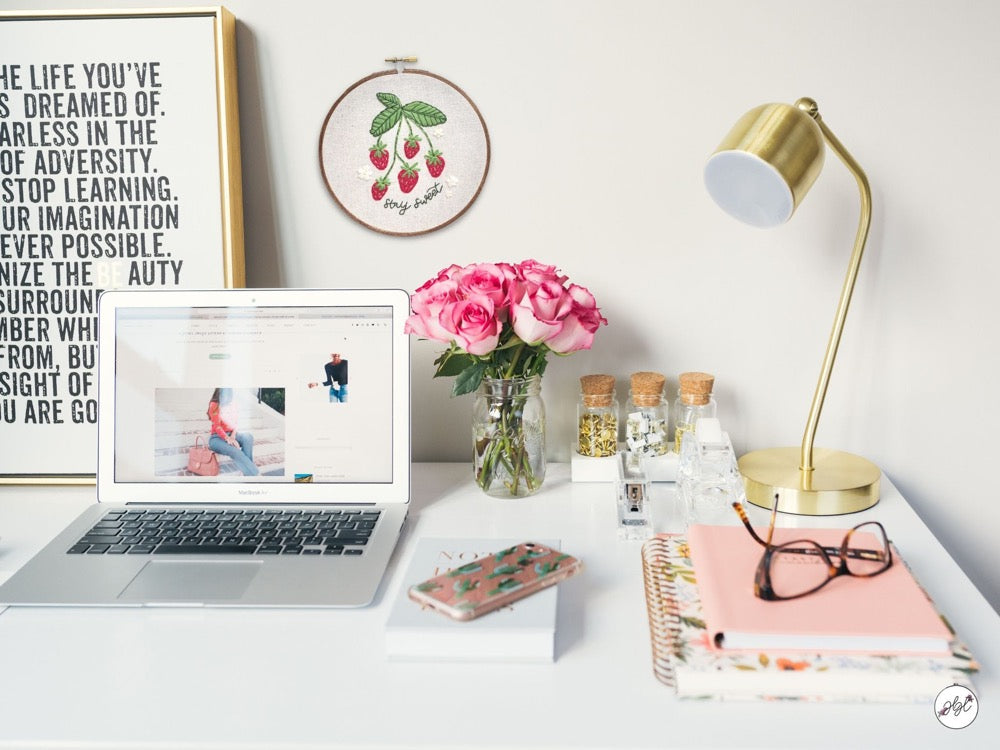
x: 597, y: 417
x: 694, y: 401
x: 648, y: 415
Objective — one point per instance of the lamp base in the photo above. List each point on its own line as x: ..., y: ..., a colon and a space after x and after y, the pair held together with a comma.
x: 839, y: 482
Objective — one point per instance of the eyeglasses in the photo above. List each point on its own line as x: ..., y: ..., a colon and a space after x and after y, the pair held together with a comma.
x: 802, y: 566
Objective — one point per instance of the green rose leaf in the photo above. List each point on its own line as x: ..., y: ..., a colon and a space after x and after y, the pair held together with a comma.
x: 389, y: 100
x: 451, y: 363
x: 424, y: 114
x: 469, y: 379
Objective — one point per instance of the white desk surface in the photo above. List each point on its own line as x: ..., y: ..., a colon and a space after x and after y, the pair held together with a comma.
x: 196, y: 678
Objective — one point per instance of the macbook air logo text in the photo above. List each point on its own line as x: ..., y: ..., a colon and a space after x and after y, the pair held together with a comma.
x: 252, y: 492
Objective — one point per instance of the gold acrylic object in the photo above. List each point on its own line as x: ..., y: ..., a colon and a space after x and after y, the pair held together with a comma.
x: 781, y: 147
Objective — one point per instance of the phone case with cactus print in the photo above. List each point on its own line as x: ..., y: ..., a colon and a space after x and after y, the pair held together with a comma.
x: 495, y: 581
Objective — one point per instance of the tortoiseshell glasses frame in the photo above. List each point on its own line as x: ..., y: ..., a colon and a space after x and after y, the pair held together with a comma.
x: 868, y: 562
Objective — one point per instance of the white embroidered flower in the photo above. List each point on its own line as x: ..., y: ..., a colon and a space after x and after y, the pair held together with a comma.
x: 448, y: 193
x: 451, y: 181
x: 438, y: 133
x: 365, y: 173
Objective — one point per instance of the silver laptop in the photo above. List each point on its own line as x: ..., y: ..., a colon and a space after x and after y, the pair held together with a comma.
x: 253, y: 450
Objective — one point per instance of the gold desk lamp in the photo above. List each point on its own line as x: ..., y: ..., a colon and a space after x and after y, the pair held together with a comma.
x: 759, y: 174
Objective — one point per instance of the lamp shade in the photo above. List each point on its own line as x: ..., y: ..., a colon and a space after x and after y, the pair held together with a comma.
x: 766, y: 164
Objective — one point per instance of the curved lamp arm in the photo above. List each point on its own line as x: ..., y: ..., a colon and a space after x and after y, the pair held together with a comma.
x: 810, y: 107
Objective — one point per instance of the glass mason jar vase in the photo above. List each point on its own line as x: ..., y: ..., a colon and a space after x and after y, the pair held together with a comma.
x: 508, y: 436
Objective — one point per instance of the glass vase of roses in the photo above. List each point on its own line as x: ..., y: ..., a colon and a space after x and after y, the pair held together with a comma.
x: 500, y: 322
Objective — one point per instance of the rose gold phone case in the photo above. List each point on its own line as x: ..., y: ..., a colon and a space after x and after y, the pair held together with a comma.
x: 494, y: 581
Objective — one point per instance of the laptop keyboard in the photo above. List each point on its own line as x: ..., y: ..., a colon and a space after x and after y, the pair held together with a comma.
x: 229, y: 532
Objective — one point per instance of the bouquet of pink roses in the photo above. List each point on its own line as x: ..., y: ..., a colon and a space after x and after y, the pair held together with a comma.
x: 501, y: 320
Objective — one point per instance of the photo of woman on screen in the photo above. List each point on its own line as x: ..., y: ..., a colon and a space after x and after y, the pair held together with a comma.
x: 225, y: 439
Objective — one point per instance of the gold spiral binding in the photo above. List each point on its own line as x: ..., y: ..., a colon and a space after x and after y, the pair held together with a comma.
x: 661, y: 607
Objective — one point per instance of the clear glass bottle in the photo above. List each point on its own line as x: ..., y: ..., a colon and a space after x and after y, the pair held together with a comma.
x: 508, y: 433
x: 694, y: 401
x: 708, y: 476
x: 646, y: 432
x: 597, y: 417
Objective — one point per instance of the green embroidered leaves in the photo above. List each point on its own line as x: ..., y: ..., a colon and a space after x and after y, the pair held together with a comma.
x: 419, y: 113
x: 416, y: 116
x: 423, y: 114
x: 386, y: 120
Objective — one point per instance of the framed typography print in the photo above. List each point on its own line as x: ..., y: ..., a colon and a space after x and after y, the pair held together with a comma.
x: 404, y: 152
x: 119, y: 167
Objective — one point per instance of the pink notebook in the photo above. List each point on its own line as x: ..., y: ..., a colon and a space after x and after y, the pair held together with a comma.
x: 888, y: 613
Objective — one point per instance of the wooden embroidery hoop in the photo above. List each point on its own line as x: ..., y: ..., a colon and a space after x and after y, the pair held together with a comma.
x: 399, y: 69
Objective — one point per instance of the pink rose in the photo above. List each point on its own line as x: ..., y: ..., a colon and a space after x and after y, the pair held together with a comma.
x: 427, y: 303
x: 473, y: 324
x: 487, y: 279
x: 537, y: 314
x: 580, y: 324
x: 444, y: 273
x: 534, y: 273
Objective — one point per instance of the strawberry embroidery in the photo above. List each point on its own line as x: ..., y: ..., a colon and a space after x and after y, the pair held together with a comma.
x: 408, y: 177
x: 411, y: 147
x: 435, y: 162
x: 418, y: 116
x: 379, y: 155
x: 379, y: 187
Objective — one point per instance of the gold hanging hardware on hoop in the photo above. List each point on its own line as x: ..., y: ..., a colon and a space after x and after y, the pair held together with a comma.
x: 400, y: 61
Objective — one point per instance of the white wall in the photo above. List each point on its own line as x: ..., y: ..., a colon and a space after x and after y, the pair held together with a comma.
x: 601, y: 115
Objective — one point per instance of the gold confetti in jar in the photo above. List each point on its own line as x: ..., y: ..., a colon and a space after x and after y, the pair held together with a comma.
x: 597, y: 417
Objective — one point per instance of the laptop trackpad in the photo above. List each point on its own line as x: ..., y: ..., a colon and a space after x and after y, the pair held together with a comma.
x: 195, y: 582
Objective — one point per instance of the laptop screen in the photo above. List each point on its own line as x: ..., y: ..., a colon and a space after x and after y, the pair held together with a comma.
x: 253, y: 394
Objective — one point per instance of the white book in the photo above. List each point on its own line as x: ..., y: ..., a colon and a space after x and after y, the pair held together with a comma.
x: 524, y: 631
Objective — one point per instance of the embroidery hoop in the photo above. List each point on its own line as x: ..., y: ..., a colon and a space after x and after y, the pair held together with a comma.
x: 344, y: 144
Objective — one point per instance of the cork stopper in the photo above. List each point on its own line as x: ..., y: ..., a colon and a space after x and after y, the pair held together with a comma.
x: 696, y: 387
x: 647, y: 388
x: 598, y: 390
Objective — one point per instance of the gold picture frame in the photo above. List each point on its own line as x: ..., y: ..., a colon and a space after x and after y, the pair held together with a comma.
x: 119, y: 167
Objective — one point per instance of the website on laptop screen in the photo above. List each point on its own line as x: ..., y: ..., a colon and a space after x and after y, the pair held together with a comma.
x: 280, y: 394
